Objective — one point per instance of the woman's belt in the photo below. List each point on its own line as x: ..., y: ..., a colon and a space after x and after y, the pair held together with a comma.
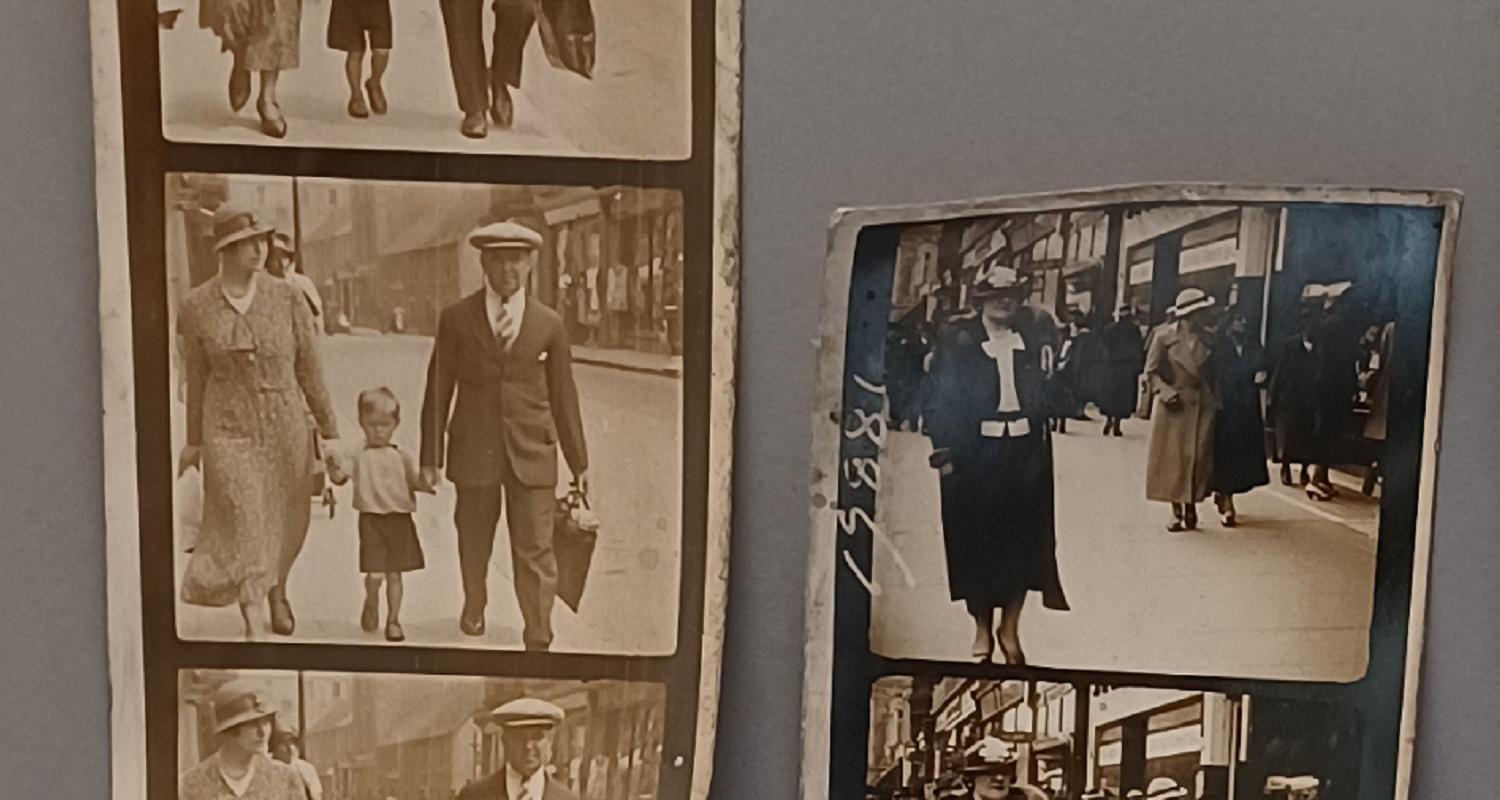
x: 1005, y: 428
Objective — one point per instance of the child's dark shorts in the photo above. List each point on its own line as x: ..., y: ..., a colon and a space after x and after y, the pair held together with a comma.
x: 350, y: 22
x: 388, y: 543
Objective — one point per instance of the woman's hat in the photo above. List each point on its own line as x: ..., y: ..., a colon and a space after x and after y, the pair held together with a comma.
x: 235, y: 224
x: 1164, y: 788
x: 988, y: 756
x: 1190, y: 300
x: 283, y: 242
x: 237, y: 703
x: 999, y: 280
x: 281, y: 735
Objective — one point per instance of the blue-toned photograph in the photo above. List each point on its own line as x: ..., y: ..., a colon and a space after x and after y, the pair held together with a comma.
x: 1146, y: 438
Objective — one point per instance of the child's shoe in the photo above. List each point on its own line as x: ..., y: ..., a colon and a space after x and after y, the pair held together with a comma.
x: 357, y: 107
x: 369, y: 618
x: 378, y: 103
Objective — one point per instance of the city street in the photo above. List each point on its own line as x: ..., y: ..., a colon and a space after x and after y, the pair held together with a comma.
x: 632, y: 424
x: 1286, y: 595
x: 636, y: 105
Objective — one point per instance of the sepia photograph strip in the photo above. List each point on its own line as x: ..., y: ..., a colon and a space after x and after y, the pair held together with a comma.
x: 408, y: 371
x: 947, y: 737
x: 1129, y: 436
x: 519, y: 77
x: 376, y: 736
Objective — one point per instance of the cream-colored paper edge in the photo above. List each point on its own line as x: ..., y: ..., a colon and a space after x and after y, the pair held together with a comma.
x: 823, y: 481
x: 121, y: 496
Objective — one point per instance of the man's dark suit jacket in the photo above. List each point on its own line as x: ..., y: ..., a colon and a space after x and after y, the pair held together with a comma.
x: 513, y: 407
x: 492, y: 787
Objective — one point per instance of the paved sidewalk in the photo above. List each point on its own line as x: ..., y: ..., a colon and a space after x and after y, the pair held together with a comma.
x: 630, y: 605
x: 656, y: 363
x: 637, y: 104
x: 1286, y: 595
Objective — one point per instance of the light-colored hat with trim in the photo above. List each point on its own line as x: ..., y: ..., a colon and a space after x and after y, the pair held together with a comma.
x: 1190, y: 300
x: 998, y: 279
x: 505, y: 236
x: 527, y: 712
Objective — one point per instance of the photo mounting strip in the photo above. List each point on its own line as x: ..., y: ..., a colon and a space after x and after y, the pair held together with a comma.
x: 1125, y: 492
x: 418, y: 328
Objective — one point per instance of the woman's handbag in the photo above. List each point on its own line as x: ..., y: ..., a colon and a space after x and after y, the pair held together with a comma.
x: 575, y: 533
x: 1143, y: 396
x: 189, y: 496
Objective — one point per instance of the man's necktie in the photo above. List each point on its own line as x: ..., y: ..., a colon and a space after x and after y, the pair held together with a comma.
x: 505, y: 328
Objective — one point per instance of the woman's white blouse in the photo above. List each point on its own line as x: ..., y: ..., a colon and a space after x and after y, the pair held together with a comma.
x: 1002, y: 347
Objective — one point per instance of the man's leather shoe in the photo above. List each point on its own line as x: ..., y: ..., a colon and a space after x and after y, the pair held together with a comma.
x: 474, y: 126
x: 471, y: 625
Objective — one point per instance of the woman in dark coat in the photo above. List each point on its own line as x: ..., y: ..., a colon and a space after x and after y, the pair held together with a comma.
x: 1239, y: 430
x: 1124, y: 351
x: 988, y: 422
x: 1295, y: 400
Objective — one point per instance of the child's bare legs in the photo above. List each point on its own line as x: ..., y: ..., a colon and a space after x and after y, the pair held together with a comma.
x: 369, y: 616
x: 393, y: 593
x: 354, y: 66
x: 379, y: 60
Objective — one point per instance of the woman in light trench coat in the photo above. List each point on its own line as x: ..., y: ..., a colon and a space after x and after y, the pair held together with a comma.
x: 1178, y: 364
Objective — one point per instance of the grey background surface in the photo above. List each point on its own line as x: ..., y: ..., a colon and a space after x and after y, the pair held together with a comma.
x: 847, y: 102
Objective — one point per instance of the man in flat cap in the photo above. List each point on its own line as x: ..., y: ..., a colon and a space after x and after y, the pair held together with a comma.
x: 527, y: 726
x: 241, y: 769
x: 506, y: 358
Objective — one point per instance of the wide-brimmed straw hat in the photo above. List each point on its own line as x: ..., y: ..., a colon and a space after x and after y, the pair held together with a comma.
x: 233, y: 224
x: 1190, y: 300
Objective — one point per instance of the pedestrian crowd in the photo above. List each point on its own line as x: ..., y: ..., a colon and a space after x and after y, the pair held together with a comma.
x: 991, y: 381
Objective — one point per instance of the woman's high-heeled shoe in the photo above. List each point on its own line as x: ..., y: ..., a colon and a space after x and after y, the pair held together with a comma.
x: 1286, y: 476
x: 283, y: 621
x: 239, y: 88
x: 1013, y: 656
x: 272, y: 123
x: 982, y: 653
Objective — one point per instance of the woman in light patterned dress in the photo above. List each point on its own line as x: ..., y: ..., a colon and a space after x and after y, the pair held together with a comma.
x: 265, y: 38
x: 251, y: 360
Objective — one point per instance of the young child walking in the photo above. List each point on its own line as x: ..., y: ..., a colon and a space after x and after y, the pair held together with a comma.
x: 386, y: 481
x: 354, y: 25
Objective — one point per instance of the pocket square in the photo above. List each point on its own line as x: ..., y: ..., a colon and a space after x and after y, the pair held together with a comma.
x: 542, y: 356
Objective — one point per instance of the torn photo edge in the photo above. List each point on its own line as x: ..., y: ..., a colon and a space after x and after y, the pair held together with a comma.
x: 827, y: 425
